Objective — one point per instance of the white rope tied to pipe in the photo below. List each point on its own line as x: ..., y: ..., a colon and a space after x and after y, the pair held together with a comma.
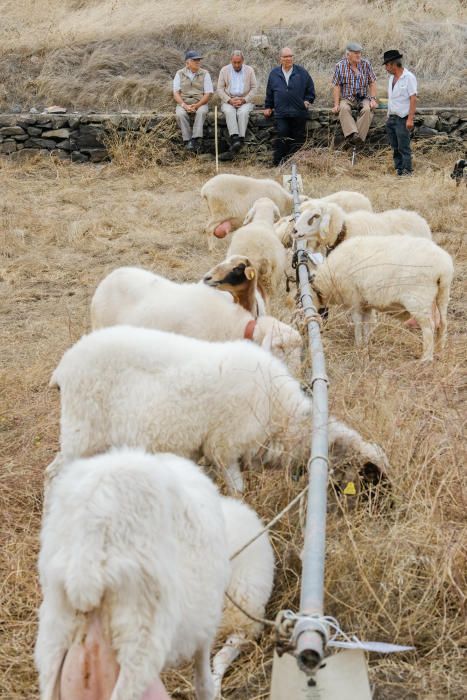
x: 324, y: 623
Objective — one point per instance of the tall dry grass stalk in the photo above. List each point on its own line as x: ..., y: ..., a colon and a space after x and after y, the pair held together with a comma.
x: 114, y: 54
x: 395, y: 569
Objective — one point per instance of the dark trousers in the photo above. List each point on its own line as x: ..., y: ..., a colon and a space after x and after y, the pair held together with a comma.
x: 290, y: 136
x: 399, y: 140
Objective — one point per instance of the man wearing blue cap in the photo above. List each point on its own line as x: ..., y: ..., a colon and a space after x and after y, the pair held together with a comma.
x: 192, y: 88
x: 354, y: 88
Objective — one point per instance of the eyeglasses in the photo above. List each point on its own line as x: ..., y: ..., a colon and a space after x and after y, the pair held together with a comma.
x: 288, y: 56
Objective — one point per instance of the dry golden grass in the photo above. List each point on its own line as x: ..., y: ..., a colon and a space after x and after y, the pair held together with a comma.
x: 111, y: 54
x: 394, y: 572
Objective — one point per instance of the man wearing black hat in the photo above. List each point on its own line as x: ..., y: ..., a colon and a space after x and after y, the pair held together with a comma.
x: 192, y: 88
x: 402, y: 102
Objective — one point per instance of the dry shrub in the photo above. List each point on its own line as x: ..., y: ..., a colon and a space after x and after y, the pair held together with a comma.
x: 395, y: 568
x: 153, y: 145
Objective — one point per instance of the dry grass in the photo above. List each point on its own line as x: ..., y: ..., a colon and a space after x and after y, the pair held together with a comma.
x: 394, y: 572
x: 113, y: 54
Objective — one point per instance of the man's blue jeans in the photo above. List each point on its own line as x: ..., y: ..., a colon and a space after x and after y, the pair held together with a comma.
x: 399, y: 140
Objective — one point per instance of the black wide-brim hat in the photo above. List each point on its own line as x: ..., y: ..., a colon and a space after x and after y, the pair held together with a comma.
x: 391, y: 55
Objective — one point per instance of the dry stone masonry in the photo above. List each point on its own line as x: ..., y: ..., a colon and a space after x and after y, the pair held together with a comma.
x: 83, y: 137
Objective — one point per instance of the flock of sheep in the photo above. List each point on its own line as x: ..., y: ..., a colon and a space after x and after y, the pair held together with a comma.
x: 138, y: 547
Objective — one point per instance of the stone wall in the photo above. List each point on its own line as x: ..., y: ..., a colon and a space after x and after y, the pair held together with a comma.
x: 83, y: 137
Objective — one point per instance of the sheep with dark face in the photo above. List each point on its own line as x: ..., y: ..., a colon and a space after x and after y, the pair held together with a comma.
x: 238, y: 276
x: 459, y: 173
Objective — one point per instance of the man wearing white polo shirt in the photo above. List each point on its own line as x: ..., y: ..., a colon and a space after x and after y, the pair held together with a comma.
x: 402, y: 102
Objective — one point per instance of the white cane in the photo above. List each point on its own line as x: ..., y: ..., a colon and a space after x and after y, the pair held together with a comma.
x: 216, y: 140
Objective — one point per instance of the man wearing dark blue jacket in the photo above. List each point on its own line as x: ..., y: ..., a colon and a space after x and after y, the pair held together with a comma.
x: 289, y: 93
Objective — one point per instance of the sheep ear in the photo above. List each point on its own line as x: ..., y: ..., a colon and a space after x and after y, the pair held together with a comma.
x: 267, y: 342
x: 250, y: 273
x: 324, y: 226
x: 277, y: 214
x: 249, y: 216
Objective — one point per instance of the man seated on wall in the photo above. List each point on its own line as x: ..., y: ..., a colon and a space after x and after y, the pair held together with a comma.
x: 236, y: 87
x: 354, y: 88
x: 192, y: 89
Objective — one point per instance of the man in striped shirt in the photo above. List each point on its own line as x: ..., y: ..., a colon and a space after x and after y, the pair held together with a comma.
x: 354, y: 87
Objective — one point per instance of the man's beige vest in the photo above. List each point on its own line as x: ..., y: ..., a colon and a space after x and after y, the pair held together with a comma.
x: 191, y: 90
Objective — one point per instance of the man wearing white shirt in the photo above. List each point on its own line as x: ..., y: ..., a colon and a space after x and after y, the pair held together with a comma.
x: 402, y: 102
x: 192, y: 88
x: 236, y: 87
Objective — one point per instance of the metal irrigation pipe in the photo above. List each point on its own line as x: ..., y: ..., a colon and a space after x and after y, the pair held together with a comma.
x: 308, y: 633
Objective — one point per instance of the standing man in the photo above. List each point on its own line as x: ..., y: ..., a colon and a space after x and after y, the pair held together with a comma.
x: 192, y: 88
x: 236, y: 87
x: 289, y: 93
x: 402, y: 102
x: 354, y: 87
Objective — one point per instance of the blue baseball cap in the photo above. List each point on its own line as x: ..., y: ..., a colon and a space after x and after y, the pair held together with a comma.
x: 193, y: 55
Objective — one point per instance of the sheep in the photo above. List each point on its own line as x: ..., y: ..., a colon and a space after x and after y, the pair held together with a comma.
x: 348, y: 201
x: 458, y: 172
x: 398, y: 274
x: 133, y: 568
x: 229, y: 197
x: 250, y: 583
x: 134, y: 296
x: 165, y: 392
x: 258, y: 242
x: 329, y: 225
x: 237, y: 275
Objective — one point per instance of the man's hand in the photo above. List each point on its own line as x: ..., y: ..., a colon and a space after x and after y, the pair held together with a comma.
x: 267, y: 112
x: 409, y: 122
x: 236, y: 101
x: 335, y: 109
x: 307, y: 104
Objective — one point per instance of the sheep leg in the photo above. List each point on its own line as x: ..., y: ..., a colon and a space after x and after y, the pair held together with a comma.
x: 204, y: 682
x: 350, y: 440
x: 234, y: 479
x: 357, y: 321
x: 224, y: 658
x: 427, y: 326
x: 368, y: 318
x: 441, y: 306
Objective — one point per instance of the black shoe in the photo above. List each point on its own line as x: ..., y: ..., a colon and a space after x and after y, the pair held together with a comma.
x: 226, y: 155
x: 188, y: 145
x: 235, y: 144
x: 197, y: 144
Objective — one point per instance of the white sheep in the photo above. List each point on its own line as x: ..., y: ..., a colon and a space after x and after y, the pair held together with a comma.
x: 131, y: 295
x: 398, y: 274
x: 165, y: 392
x: 348, y: 201
x: 229, y: 197
x: 133, y: 568
x: 239, y: 277
x: 250, y: 583
x: 328, y: 225
x: 258, y: 241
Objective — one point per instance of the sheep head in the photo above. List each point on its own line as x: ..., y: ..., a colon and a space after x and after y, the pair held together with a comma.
x: 263, y: 209
x: 231, y: 274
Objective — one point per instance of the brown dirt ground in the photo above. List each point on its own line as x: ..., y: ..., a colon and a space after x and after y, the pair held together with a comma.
x: 394, y: 572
